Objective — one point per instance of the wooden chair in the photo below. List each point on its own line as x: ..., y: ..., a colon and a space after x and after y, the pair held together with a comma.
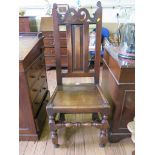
x: 82, y: 98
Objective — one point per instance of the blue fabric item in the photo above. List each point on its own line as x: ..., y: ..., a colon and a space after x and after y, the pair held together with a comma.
x: 105, y: 32
x: 92, y: 53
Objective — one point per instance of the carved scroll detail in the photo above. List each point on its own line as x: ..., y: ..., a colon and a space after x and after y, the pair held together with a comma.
x: 80, y: 16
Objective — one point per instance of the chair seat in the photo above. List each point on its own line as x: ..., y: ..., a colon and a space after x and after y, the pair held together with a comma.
x: 78, y: 98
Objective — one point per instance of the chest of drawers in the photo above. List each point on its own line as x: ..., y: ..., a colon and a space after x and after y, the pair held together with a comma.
x: 33, y: 89
x: 49, y: 51
x: 46, y: 28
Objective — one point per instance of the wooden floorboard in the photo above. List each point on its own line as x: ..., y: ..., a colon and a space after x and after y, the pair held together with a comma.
x: 73, y: 141
x: 22, y: 147
x: 30, y: 149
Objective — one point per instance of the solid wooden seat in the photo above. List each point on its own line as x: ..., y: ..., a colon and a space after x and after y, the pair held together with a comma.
x: 79, y: 98
x: 83, y: 98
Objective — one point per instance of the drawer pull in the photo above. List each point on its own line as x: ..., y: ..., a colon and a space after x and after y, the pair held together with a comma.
x: 32, y: 76
x: 42, y: 65
x: 43, y: 76
x: 44, y: 88
x: 34, y: 90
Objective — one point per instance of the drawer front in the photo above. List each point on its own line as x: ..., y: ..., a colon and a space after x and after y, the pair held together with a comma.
x: 50, y: 42
x: 49, y: 34
x: 35, y: 70
x: 39, y: 98
x: 41, y: 116
x: 37, y: 85
x: 24, y: 25
x: 64, y: 61
x: 51, y: 61
x: 51, y: 51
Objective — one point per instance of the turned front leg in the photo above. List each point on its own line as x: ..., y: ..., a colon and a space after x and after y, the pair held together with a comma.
x: 104, y: 131
x: 53, y: 130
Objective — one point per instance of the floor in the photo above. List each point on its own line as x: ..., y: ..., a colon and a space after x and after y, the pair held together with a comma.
x: 73, y: 141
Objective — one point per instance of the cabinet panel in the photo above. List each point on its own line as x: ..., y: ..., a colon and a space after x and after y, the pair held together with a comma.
x: 24, y: 24
x: 120, y: 94
x: 51, y: 51
x: 128, y: 108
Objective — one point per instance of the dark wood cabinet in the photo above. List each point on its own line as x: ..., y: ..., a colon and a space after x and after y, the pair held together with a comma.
x: 118, y: 83
x: 46, y: 28
x: 24, y: 24
x: 49, y: 51
x: 33, y: 89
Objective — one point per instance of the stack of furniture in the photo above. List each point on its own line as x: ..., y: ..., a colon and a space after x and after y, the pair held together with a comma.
x: 118, y: 84
x: 46, y: 27
x: 33, y: 89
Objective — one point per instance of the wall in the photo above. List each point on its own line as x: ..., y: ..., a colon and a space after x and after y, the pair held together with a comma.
x: 125, y: 8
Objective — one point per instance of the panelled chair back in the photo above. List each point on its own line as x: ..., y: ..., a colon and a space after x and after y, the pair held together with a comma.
x: 77, y: 34
x: 83, y: 98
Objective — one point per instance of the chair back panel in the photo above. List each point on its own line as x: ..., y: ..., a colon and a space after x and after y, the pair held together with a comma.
x: 77, y: 35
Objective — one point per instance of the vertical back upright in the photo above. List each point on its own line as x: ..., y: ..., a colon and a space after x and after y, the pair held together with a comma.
x: 57, y: 44
x: 69, y: 46
x: 98, y: 42
x: 85, y: 45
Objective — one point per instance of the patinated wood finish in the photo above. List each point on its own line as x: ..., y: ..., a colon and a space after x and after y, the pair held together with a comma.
x: 33, y: 90
x: 77, y: 26
x: 24, y: 24
x: 83, y: 98
x: 118, y: 84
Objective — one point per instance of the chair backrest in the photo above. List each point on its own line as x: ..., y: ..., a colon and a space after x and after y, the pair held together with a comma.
x: 77, y: 35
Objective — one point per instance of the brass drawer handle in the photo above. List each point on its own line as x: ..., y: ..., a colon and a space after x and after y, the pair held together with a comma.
x: 32, y: 76
x: 34, y: 90
x: 44, y: 88
x: 43, y: 76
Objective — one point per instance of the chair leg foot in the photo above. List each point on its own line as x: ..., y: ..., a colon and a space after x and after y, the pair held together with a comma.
x: 56, y: 145
x: 103, y: 132
x: 102, y: 145
x: 103, y: 138
x: 54, y: 137
x: 53, y: 130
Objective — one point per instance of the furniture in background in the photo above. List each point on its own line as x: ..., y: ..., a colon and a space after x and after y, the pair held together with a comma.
x: 28, y: 24
x: 118, y: 84
x: 33, y: 89
x: 81, y: 98
x: 46, y: 27
x: 24, y: 24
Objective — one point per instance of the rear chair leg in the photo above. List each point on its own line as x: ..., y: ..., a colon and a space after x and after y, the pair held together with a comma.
x: 95, y: 117
x: 62, y: 117
x: 53, y: 129
x: 103, y: 132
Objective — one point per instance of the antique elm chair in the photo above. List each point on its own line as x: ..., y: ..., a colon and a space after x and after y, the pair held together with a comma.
x: 82, y: 98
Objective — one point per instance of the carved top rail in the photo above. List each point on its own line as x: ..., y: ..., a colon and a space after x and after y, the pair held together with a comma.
x: 79, y: 16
